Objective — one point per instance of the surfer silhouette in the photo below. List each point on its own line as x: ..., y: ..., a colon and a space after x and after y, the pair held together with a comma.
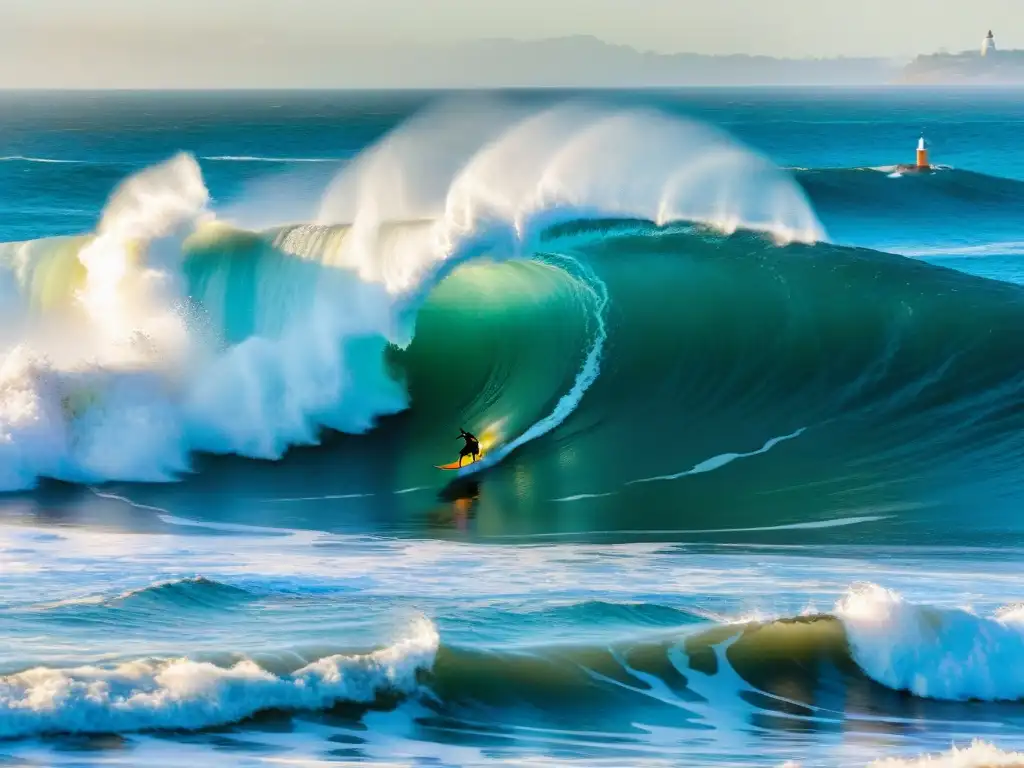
x: 471, y: 448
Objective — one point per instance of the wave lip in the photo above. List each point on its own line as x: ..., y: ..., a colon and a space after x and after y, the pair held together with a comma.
x: 181, y: 694
x: 937, y: 653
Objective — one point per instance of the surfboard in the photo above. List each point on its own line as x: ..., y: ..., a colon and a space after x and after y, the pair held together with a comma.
x: 455, y: 464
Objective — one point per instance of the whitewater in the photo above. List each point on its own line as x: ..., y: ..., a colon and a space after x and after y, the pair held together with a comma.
x: 749, y: 403
x: 162, y: 366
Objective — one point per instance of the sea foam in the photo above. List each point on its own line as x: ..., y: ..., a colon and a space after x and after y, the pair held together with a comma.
x: 939, y: 653
x: 979, y: 754
x: 185, y: 694
x: 141, y: 363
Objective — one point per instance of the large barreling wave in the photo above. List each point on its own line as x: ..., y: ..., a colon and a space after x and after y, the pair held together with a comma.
x: 646, y: 313
x: 171, y: 330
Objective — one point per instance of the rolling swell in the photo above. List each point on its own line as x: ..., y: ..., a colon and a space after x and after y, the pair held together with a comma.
x: 951, y: 211
x: 844, y: 669
x: 774, y: 385
x: 879, y: 190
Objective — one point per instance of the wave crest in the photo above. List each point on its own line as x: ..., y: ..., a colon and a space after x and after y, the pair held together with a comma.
x: 935, y: 653
x: 184, y: 336
x: 186, y: 694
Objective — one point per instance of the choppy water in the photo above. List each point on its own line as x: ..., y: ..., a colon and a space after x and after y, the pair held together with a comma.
x: 749, y: 402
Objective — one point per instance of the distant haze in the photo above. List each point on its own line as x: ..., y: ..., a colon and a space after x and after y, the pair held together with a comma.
x: 466, y: 43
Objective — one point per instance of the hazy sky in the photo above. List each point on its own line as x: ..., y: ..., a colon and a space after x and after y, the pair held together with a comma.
x: 54, y: 42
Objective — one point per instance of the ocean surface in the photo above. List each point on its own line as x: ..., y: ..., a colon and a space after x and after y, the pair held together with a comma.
x: 751, y: 399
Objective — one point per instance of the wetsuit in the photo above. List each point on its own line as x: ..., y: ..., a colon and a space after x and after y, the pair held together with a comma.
x: 471, y: 448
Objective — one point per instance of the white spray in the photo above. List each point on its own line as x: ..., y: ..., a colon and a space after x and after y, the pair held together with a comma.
x: 134, y: 384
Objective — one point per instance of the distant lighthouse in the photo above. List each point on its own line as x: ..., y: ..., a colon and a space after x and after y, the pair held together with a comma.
x: 922, y: 155
x: 922, y: 164
x: 988, y: 45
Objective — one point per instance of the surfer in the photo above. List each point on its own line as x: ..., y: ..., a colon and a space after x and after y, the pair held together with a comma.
x: 471, y: 448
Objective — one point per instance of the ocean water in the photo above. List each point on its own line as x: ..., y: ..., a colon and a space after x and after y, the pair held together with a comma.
x: 750, y: 400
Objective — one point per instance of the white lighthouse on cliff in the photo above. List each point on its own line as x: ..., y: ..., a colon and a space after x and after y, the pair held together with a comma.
x: 988, y: 45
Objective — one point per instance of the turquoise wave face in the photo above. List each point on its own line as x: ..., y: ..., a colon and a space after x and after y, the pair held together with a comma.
x: 777, y: 387
x: 622, y: 366
x: 781, y: 387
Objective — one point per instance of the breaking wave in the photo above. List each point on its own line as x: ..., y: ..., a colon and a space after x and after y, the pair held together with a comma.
x: 541, y: 279
x: 756, y: 671
x: 178, y: 694
x: 166, y: 333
